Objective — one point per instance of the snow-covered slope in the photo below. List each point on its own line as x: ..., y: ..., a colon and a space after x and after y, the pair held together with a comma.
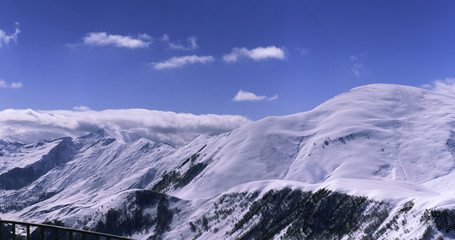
x: 396, y: 134
x: 390, y: 148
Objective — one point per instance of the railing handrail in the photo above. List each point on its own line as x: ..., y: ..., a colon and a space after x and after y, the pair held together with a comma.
x: 110, y: 236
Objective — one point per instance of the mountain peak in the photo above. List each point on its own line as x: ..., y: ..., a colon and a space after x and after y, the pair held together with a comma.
x: 100, y: 133
x: 388, y: 143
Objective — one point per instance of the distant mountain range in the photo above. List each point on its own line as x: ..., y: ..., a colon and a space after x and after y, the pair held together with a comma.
x: 376, y: 162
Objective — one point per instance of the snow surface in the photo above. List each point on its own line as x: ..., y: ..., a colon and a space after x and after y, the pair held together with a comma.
x: 379, y: 138
x: 17, y: 155
x: 387, y: 142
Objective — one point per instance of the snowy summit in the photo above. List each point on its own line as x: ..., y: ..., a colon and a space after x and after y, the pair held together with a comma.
x: 383, y: 154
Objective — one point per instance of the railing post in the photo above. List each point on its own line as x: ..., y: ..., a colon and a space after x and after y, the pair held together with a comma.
x: 70, y: 236
x: 14, y: 231
x: 28, y: 232
x: 56, y: 233
x: 42, y: 232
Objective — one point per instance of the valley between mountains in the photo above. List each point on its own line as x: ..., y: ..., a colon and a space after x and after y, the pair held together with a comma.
x: 376, y: 162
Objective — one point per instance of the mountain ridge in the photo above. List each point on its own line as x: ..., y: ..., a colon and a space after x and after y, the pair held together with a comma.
x: 389, y: 144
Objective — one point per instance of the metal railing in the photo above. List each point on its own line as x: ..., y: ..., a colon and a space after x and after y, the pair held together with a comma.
x: 8, y: 230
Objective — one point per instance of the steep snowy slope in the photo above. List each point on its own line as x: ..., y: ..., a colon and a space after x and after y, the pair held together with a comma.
x: 14, y: 155
x: 100, y: 169
x: 396, y: 134
x: 381, y: 154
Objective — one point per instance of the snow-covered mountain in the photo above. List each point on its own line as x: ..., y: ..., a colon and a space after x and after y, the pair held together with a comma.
x: 376, y: 162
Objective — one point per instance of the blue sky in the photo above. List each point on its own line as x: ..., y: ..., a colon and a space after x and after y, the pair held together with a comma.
x: 249, y: 58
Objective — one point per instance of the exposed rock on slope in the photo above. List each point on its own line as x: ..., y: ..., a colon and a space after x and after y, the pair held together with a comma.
x: 376, y: 162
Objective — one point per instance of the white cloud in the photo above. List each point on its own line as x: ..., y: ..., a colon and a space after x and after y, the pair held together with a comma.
x: 81, y: 108
x: 176, y: 46
x: 176, y: 62
x: 4, y: 84
x: 235, y: 54
x: 27, y: 125
x: 165, y: 38
x: 357, y: 69
x: 257, y: 54
x: 16, y: 85
x: 249, y: 96
x: 104, y: 39
x: 273, y: 98
x: 191, y: 44
x: 5, y: 38
x: 445, y: 86
x: 145, y: 36
x: 357, y: 66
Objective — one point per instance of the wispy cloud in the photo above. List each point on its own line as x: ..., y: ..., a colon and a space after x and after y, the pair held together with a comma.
x: 177, y: 62
x: 164, y: 38
x: 257, y: 54
x: 104, y: 39
x: 145, y: 36
x: 357, y: 66
x: 81, y: 108
x: 303, y: 51
x: 273, y: 98
x: 357, y: 69
x: 4, y: 84
x: 6, y: 39
x: 29, y: 125
x: 242, y: 96
x: 191, y: 44
x: 445, y: 86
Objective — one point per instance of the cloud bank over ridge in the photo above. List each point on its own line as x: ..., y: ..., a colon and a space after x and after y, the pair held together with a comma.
x: 27, y: 125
